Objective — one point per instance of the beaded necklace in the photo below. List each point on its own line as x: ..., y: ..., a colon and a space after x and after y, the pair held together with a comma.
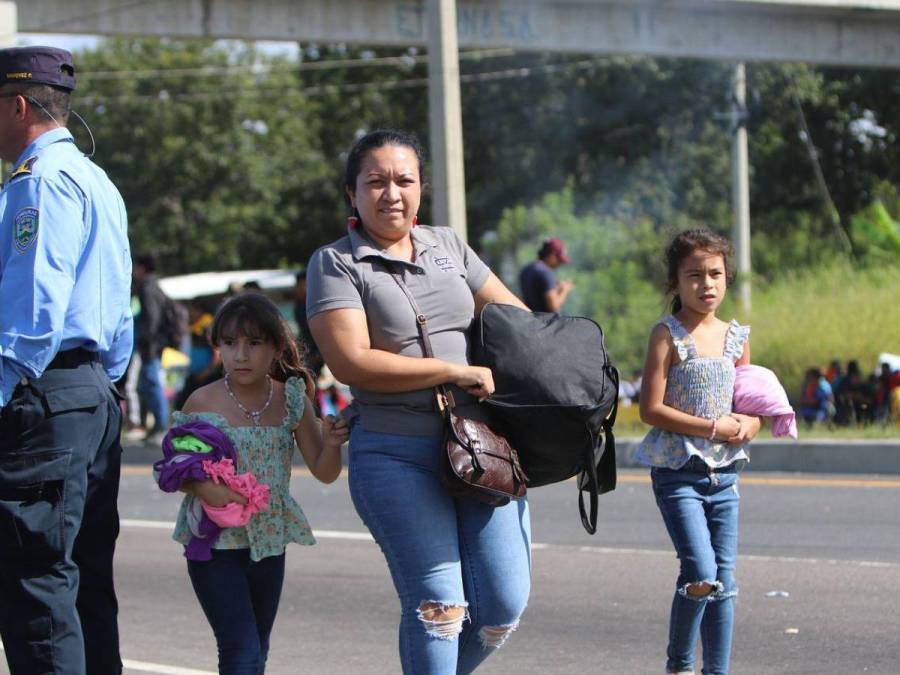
x: 254, y: 415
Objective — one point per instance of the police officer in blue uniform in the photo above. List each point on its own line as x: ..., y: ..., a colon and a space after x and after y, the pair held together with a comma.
x: 65, y: 335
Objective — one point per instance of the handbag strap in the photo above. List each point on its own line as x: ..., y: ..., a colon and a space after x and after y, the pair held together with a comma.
x: 600, y: 478
x: 442, y: 394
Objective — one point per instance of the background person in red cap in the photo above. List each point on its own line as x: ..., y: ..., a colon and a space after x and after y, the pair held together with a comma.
x: 65, y: 336
x: 540, y: 289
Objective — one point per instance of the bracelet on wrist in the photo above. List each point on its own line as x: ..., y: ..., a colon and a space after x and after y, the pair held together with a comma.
x: 712, y: 432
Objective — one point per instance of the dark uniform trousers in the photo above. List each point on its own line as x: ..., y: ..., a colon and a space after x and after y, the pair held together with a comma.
x: 59, y: 481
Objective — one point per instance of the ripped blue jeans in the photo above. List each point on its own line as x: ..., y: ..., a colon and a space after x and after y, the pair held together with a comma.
x: 700, y: 510
x: 443, y: 553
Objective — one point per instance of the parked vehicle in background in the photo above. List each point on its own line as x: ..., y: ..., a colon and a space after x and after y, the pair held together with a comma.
x: 204, y: 292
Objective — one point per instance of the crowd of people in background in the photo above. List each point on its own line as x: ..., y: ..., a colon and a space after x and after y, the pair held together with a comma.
x: 834, y: 396
x: 150, y: 395
x: 147, y: 390
x: 839, y: 396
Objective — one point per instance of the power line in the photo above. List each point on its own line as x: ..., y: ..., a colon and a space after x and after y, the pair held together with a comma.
x: 265, y: 68
x: 165, y: 97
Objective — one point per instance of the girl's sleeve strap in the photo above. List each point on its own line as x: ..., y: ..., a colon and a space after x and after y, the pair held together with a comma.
x: 680, y: 338
x: 735, y: 339
x: 179, y: 418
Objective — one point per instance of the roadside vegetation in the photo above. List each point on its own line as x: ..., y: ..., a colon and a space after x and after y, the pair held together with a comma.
x: 230, y: 157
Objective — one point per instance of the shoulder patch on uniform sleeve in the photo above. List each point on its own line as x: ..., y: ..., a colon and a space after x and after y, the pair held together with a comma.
x: 25, y: 228
x: 24, y: 169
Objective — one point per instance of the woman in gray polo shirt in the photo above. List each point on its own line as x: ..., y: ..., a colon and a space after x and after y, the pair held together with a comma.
x: 461, y: 568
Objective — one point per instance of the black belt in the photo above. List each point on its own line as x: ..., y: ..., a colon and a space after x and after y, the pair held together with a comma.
x: 72, y: 358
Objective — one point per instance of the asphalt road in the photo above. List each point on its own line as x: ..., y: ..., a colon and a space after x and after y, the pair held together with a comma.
x: 599, y: 604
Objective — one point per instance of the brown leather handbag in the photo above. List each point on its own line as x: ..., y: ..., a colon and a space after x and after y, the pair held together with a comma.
x: 478, y: 463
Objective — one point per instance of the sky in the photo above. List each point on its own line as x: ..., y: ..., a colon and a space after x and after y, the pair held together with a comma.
x: 76, y: 42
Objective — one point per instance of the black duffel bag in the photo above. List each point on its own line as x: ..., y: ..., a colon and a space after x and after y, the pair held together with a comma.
x: 556, y: 396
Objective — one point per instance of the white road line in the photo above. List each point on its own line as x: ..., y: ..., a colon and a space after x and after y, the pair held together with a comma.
x: 538, y: 546
x: 151, y: 524
x: 159, y: 668
x: 338, y: 534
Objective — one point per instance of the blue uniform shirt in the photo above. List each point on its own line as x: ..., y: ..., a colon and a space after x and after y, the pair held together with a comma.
x: 65, y: 263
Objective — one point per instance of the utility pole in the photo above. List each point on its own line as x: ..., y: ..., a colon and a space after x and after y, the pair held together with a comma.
x: 740, y: 189
x: 9, y: 26
x: 445, y: 117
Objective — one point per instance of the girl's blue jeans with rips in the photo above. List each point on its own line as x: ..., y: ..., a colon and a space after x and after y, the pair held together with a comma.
x: 458, y: 555
x: 700, y: 510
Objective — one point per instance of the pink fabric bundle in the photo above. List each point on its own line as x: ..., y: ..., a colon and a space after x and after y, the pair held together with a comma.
x: 245, y: 484
x: 757, y: 391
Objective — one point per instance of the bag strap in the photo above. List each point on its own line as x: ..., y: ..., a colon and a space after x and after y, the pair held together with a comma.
x: 587, y: 482
x: 590, y: 479
x: 442, y: 395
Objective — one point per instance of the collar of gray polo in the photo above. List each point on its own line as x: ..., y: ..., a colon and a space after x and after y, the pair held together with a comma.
x: 363, y: 247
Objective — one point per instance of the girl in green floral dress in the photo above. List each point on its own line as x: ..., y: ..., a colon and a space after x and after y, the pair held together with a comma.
x: 263, y: 406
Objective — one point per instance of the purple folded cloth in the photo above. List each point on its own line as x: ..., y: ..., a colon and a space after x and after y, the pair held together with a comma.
x: 178, y: 466
x: 204, y: 532
x: 171, y: 473
x: 757, y: 391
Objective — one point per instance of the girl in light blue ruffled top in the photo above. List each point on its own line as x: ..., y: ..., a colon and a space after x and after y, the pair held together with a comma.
x: 697, y: 446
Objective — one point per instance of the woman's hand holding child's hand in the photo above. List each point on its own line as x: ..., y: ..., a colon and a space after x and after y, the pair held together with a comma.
x: 335, y: 432
x: 216, y: 494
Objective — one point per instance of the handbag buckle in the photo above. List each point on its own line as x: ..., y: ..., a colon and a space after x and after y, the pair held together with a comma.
x: 445, y: 400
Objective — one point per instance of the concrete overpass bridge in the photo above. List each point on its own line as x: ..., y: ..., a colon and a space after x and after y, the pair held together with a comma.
x: 861, y: 33
x: 842, y: 32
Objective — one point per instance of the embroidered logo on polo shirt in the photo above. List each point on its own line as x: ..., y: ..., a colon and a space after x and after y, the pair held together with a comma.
x: 445, y: 264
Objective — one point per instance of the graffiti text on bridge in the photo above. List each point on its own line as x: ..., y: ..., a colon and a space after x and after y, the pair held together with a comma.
x: 474, y: 23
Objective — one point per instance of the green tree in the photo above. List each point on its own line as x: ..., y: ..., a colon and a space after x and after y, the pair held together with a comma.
x: 610, y: 263
x: 218, y: 165
x: 229, y: 157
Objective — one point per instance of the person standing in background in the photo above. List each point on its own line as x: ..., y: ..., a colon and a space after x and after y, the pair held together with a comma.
x: 65, y: 336
x: 151, y: 340
x: 205, y: 364
x: 313, y: 357
x: 540, y: 289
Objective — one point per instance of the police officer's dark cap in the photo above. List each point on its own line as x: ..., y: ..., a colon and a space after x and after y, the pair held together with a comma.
x: 37, y: 65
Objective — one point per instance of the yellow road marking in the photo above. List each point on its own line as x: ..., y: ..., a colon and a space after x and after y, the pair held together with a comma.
x: 142, y: 470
